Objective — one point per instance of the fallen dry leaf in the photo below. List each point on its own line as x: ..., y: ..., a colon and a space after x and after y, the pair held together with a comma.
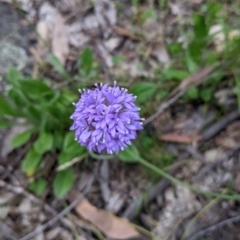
x: 179, y: 138
x: 160, y: 52
x: 53, y: 32
x: 60, y: 47
x: 112, y: 226
x: 43, y: 30
x: 125, y: 32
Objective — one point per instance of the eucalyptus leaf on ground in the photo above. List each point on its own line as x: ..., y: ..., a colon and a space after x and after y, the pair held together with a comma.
x: 111, y: 225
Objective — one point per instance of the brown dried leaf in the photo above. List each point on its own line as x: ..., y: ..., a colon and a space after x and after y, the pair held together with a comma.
x: 43, y: 30
x: 160, y: 52
x: 114, y: 227
x: 126, y: 33
x: 60, y: 45
x: 179, y: 138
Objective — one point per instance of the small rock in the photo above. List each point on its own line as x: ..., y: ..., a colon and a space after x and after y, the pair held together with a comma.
x: 11, y: 56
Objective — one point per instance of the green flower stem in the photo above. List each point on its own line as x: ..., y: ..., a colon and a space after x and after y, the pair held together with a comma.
x: 101, y: 156
x: 184, y: 184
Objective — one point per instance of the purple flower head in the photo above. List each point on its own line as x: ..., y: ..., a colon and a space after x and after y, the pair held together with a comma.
x: 106, y: 118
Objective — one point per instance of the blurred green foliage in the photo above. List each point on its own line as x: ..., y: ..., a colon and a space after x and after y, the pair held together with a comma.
x: 46, y: 106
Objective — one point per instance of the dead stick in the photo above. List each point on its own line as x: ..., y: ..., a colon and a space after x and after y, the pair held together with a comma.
x: 195, y: 79
x: 214, y: 228
x: 220, y: 125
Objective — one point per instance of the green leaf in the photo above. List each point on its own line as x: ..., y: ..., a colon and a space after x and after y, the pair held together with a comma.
x: 38, y: 186
x: 200, y: 28
x: 118, y: 59
x: 54, y: 61
x: 4, y: 124
x: 58, y: 140
x: 190, y: 63
x: 17, y: 97
x: 63, y: 182
x: 34, y: 115
x: 86, y: 59
x: 35, y: 88
x: 6, y: 108
x: 44, y: 143
x: 64, y: 157
x: 147, y: 14
x: 71, y: 146
x: 144, y: 91
x: 206, y: 94
x: 13, y: 76
x: 130, y: 154
x: 192, y: 93
x: 67, y: 97
x: 21, y: 138
x: 171, y: 73
x: 31, y: 162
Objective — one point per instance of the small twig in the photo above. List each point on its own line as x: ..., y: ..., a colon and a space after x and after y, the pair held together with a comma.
x: 20, y: 190
x: 60, y: 215
x: 196, y: 79
x: 163, y: 107
x: 214, y: 228
x: 219, y: 126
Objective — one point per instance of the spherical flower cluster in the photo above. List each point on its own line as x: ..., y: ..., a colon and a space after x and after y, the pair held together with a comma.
x: 106, y: 118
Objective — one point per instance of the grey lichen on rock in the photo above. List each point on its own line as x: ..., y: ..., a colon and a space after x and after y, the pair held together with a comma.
x: 11, y: 56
